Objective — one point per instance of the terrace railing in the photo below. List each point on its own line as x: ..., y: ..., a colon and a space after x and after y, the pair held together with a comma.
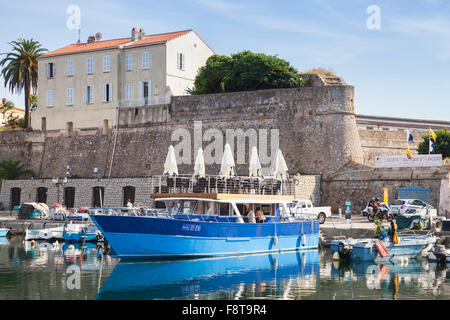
x: 218, y: 184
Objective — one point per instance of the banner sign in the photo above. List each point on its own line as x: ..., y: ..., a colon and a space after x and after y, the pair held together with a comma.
x: 424, y: 160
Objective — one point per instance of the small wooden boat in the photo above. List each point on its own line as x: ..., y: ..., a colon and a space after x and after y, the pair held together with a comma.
x: 3, y: 232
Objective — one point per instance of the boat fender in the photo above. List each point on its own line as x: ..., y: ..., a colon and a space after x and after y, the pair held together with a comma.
x: 275, y: 240
x: 303, y: 239
x: 297, y: 182
x: 32, y: 243
x: 336, y: 256
x: 71, y: 247
x: 381, y: 249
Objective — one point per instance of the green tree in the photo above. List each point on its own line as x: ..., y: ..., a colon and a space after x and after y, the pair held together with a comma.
x: 12, y: 170
x: 20, y: 70
x: 442, y: 145
x: 245, y: 71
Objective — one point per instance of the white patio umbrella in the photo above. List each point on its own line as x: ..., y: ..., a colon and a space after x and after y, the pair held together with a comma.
x: 254, y: 165
x: 199, y: 166
x: 227, y: 167
x: 170, y: 166
x: 281, y: 168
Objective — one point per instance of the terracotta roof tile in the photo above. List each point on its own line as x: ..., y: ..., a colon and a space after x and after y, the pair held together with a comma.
x: 156, y: 38
x: 72, y: 48
x: 97, y: 45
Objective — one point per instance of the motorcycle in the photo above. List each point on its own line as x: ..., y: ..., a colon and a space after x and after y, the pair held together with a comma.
x: 384, y: 213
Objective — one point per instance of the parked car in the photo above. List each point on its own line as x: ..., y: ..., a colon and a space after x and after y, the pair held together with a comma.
x: 400, y: 206
x: 306, y: 207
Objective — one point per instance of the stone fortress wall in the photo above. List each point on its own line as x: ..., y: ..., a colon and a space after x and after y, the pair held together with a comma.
x: 316, y: 127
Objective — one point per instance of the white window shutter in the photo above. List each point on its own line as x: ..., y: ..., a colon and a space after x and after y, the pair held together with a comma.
x: 47, y: 73
x: 149, y: 92
x: 92, y: 94
x: 110, y: 92
x: 141, y: 93
x: 182, y: 62
x: 178, y: 60
x: 54, y: 69
x: 104, y: 92
x: 85, y: 94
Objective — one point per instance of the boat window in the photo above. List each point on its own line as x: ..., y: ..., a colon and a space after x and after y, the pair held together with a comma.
x: 224, y: 209
x: 200, y: 207
x: 173, y: 206
x: 267, y: 209
x: 187, y: 207
x: 398, y: 202
x: 209, y: 208
x: 302, y: 204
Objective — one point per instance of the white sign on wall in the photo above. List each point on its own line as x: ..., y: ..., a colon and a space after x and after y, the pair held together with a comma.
x: 432, y: 160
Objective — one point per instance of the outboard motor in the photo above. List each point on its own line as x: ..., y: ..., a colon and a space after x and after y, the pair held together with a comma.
x: 440, y: 253
x: 344, y: 250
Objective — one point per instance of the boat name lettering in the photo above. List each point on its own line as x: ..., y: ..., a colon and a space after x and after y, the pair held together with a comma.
x: 190, y: 227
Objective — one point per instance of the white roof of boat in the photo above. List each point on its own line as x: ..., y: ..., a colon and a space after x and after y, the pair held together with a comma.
x: 224, y: 197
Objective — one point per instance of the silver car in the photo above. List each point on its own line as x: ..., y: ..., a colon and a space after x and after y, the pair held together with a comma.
x: 400, y: 206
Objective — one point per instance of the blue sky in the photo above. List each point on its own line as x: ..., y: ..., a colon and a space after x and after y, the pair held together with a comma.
x: 400, y: 70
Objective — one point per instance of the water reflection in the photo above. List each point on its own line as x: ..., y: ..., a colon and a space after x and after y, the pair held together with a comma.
x: 274, y: 276
x: 58, y: 271
x: 401, y: 279
x: 42, y: 270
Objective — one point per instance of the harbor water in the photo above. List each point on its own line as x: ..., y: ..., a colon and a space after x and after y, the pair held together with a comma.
x: 53, y: 271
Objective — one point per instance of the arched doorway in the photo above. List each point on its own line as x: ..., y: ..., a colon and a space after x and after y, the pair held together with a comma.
x: 41, y: 194
x: 69, y: 197
x: 15, y: 196
x: 98, y: 197
x: 128, y: 193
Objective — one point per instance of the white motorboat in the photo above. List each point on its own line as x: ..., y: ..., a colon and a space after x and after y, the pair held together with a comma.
x: 439, y: 254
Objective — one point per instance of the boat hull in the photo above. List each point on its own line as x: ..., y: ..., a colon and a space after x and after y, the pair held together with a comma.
x: 407, y: 247
x: 3, y: 232
x: 155, y: 238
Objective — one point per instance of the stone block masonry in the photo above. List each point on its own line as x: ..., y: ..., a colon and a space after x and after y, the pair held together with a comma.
x: 317, y: 134
x: 305, y: 187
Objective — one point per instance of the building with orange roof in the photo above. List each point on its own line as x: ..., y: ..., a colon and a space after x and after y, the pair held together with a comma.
x: 14, y: 112
x: 82, y: 85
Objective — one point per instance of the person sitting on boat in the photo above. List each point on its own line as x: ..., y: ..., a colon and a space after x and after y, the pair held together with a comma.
x: 260, y: 216
x: 251, y: 215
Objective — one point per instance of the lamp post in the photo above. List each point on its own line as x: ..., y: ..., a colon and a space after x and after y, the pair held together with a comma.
x: 62, y: 181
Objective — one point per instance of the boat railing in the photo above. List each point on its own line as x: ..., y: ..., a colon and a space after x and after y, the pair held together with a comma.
x: 218, y: 184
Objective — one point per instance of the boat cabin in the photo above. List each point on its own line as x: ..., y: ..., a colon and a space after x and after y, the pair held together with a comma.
x: 223, y: 207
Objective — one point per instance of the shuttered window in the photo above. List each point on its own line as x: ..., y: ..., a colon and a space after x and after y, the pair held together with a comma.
x: 50, y: 69
x: 145, y: 60
x: 106, y: 63
x: 70, y: 67
x: 69, y: 96
x: 90, y: 65
x: 50, y: 98
x: 129, y: 61
x: 88, y: 95
x: 107, y: 92
x: 128, y: 91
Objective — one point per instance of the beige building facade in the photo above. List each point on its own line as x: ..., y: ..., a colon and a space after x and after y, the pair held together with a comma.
x: 81, y: 86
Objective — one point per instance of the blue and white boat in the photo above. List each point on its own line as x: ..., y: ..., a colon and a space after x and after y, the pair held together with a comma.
x: 3, y: 232
x: 366, y: 249
x: 81, y: 233
x: 210, y: 221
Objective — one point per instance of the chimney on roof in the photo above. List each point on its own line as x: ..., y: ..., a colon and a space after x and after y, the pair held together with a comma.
x: 91, y: 39
x: 3, y: 100
x: 141, y: 34
x: 134, y: 34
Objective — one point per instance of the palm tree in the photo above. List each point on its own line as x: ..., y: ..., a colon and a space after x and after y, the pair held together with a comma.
x: 20, y: 70
x: 12, y: 170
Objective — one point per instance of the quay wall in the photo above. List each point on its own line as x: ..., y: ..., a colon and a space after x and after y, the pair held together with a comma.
x: 360, y: 184
x: 304, y: 187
